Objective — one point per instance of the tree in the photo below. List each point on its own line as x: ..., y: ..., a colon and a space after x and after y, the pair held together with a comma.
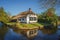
x: 50, y: 6
x: 3, y: 15
x: 48, y: 16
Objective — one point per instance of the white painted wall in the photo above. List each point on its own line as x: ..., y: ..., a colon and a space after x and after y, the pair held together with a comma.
x: 27, y: 33
x: 32, y: 21
x: 30, y: 15
x: 33, y: 15
x: 27, y: 18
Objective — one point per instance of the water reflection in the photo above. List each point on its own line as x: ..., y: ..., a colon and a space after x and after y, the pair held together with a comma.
x: 11, y: 35
x: 42, y: 36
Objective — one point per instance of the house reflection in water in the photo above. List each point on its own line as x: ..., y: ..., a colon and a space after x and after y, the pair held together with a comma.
x: 32, y: 32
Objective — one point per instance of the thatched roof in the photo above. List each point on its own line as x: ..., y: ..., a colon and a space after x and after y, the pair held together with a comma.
x: 24, y: 14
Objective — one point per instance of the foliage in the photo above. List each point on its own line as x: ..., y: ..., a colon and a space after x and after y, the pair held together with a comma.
x: 3, y: 15
x: 48, y: 17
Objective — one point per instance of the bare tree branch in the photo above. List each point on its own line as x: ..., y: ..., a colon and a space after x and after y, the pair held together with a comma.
x: 48, y: 3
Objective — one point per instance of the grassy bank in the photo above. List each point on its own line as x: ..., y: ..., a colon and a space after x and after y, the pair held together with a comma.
x: 20, y: 25
x: 23, y: 25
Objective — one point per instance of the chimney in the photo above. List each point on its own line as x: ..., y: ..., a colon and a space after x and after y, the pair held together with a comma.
x: 30, y: 10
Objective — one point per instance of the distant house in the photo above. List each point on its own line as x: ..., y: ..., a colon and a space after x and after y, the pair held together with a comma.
x: 26, y: 17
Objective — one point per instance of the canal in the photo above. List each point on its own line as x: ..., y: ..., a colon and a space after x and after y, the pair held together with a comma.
x: 11, y: 35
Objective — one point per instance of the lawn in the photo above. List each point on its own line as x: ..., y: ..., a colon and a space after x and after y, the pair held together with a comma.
x: 22, y: 25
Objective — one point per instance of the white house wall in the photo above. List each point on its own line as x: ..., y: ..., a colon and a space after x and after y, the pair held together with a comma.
x: 27, y: 18
x: 33, y: 21
x: 31, y: 15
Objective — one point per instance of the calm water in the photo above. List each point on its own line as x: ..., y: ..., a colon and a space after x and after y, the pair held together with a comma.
x: 11, y: 35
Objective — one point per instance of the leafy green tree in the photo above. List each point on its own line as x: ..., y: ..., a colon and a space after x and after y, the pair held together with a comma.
x: 48, y: 17
x: 3, y: 15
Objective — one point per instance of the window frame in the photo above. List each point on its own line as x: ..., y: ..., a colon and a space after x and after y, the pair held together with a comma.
x: 32, y: 18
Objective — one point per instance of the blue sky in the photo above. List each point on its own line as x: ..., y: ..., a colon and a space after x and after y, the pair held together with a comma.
x: 17, y: 6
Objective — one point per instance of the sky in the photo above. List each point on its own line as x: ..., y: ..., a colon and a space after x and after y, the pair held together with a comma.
x: 17, y: 6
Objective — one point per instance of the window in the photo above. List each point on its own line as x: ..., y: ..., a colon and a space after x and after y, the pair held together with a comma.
x: 35, y: 31
x: 31, y: 32
x: 23, y: 19
x: 32, y: 18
